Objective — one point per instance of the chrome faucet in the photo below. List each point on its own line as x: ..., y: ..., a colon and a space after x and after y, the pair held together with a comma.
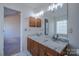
x: 55, y: 37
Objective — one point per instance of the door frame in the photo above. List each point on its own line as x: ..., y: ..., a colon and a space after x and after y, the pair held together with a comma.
x: 20, y: 27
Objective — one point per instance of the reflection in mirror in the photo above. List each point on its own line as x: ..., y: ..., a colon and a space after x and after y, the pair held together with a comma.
x: 61, y: 27
x: 57, y: 20
x: 46, y: 25
x: 60, y: 17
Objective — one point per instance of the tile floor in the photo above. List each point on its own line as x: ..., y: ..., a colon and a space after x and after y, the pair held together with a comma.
x: 23, y: 53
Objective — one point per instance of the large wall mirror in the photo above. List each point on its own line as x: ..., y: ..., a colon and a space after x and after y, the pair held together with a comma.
x: 57, y: 20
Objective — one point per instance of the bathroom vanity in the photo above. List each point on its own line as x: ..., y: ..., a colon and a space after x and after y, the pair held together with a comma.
x: 41, y: 46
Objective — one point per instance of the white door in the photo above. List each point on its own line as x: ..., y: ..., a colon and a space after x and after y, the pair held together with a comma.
x: 11, y: 33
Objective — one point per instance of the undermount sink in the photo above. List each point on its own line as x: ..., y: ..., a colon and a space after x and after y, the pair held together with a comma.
x: 54, y: 44
x: 45, y: 41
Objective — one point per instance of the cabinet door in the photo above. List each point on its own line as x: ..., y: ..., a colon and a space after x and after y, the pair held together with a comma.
x: 31, y: 21
x: 42, y: 50
x: 50, y: 52
x: 38, y: 22
x: 31, y: 46
x: 35, y: 49
x: 28, y: 44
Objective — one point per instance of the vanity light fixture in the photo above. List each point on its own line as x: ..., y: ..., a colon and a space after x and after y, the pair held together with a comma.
x: 51, y: 7
x: 39, y: 14
x: 54, y: 6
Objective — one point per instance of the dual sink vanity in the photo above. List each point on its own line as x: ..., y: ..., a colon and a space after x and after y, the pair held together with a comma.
x: 45, y: 46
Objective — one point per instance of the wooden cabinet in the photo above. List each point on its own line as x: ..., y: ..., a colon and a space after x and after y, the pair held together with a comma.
x: 38, y: 22
x: 28, y: 45
x: 42, y: 50
x: 32, y: 47
x: 50, y: 52
x: 34, y: 22
x: 37, y: 49
x: 31, y: 21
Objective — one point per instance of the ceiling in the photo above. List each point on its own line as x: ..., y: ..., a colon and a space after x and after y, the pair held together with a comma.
x: 36, y: 7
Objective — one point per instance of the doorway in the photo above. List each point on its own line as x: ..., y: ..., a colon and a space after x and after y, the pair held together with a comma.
x: 11, y: 31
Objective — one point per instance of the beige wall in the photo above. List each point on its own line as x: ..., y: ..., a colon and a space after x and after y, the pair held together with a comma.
x: 12, y: 26
x: 73, y: 25
x: 1, y: 30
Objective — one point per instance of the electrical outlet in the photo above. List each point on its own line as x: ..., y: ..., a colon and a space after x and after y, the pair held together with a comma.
x: 25, y: 29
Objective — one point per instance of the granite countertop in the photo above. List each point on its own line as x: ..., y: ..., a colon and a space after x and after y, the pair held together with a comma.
x: 55, y: 45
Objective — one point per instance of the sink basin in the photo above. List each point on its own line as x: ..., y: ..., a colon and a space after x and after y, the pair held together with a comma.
x: 45, y: 41
x: 54, y: 44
